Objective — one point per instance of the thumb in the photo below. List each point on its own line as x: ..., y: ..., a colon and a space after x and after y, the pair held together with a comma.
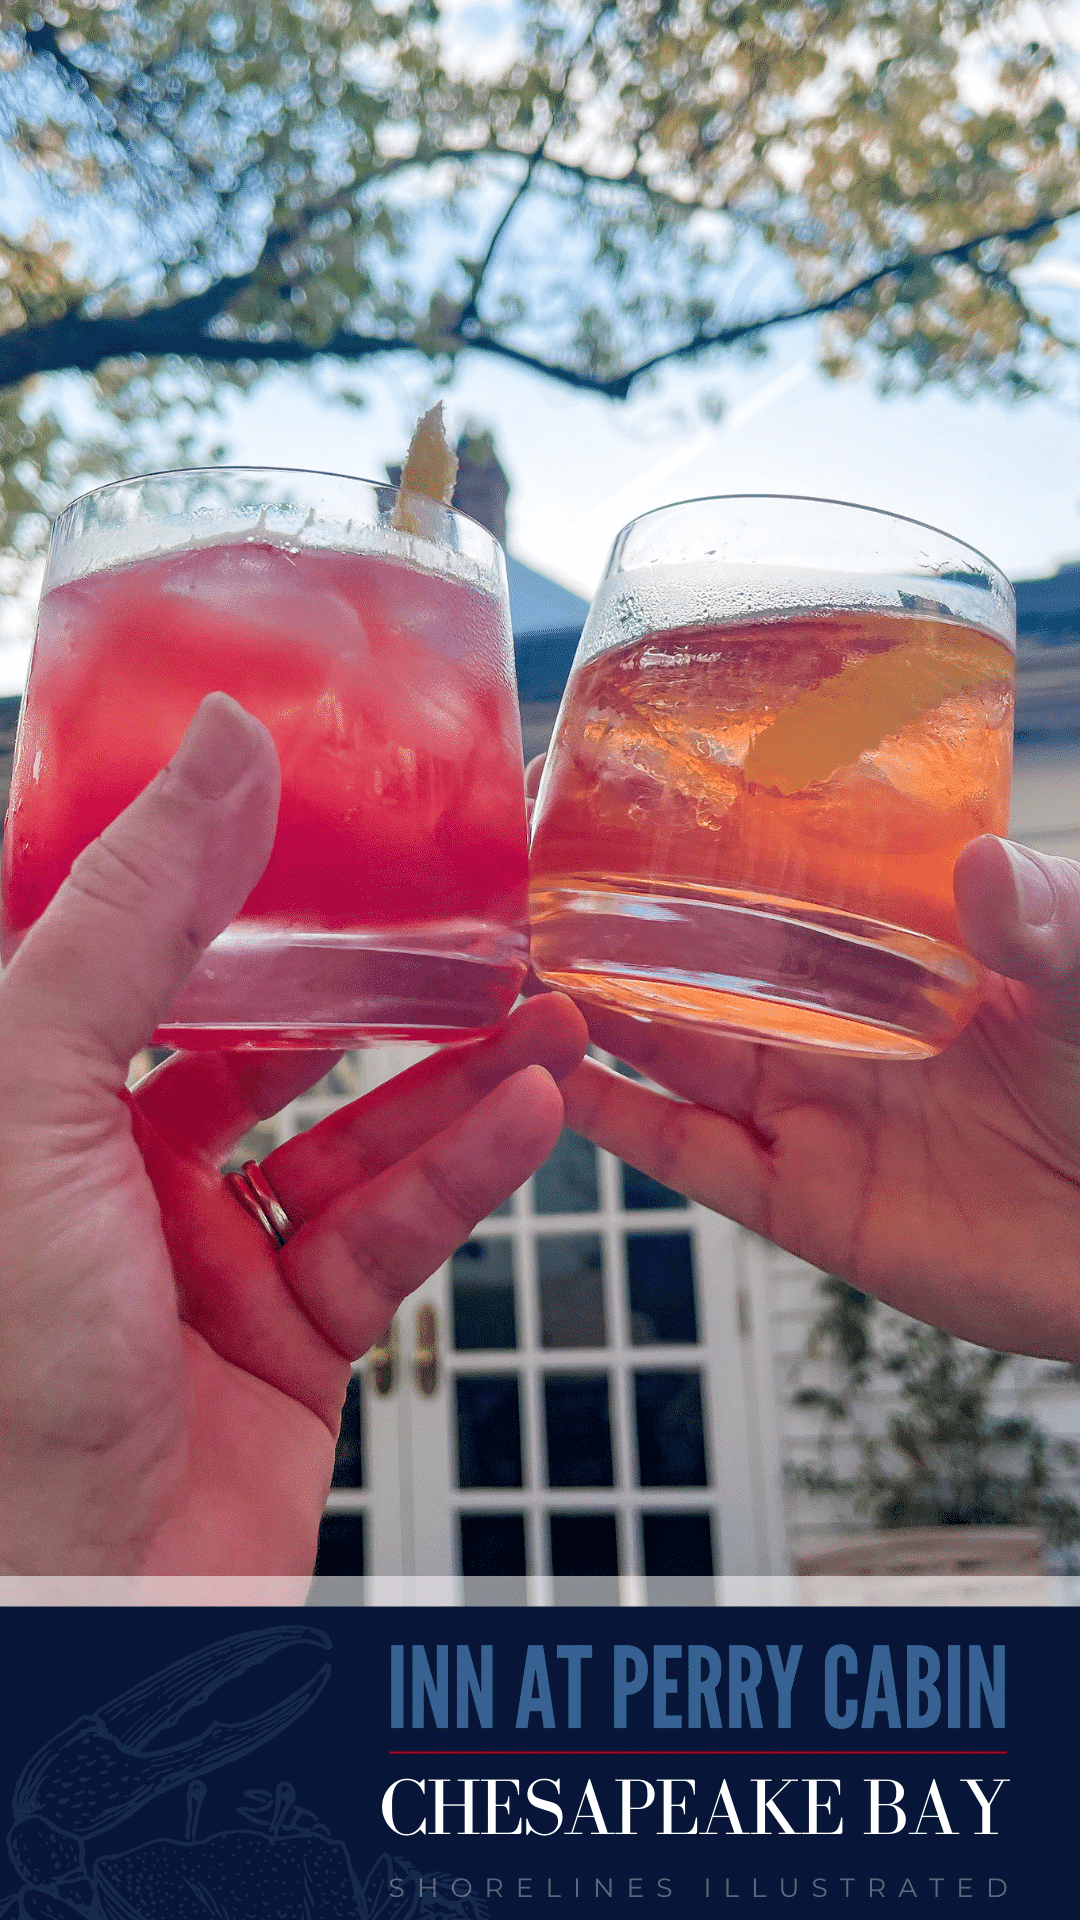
x: 1019, y: 913
x: 533, y: 773
x: 99, y: 969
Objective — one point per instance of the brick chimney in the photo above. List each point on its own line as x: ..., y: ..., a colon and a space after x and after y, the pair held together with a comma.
x: 482, y: 488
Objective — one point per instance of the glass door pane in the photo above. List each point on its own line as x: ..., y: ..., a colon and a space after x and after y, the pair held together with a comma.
x: 577, y: 1405
x: 581, y: 1433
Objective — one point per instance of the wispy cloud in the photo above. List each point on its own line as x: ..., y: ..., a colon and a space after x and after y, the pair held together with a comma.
x: 639, y: 491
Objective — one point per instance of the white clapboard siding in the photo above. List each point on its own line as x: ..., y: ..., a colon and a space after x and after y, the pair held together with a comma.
x: 787, y: 1302
x: 1045, y: 809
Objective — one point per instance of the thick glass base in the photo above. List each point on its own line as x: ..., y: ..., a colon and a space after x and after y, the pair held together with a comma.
x: 782, y: 971
x: 261, y: 985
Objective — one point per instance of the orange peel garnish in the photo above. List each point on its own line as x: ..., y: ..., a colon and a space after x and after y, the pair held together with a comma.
x: 852, y: 712
x: 429, y: 473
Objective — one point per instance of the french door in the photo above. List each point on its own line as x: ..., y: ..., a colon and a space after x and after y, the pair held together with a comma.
x: 571, y: 1408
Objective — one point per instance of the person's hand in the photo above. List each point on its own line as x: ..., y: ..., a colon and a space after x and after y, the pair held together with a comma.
x: 949, y: 1187
x: 170, y: 1381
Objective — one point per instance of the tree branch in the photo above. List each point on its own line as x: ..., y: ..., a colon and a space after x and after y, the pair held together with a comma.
x: 468, y: 320
x: 618, y: 385
x: 43, y: 40
x: 77, y: 344
x: 633, y: 178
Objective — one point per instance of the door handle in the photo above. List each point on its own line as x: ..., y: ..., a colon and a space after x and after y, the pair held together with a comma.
x: 426, y: 1362
x: 383, y: 1358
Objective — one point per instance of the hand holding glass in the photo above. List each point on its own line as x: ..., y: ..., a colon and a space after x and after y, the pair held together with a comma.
x: 394, y: 902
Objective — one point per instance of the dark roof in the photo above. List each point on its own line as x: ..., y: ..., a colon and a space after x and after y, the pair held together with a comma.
x: 547, y: 620
x: 539, y: 605
x: 1048, y: 656
x: 1048, y: 611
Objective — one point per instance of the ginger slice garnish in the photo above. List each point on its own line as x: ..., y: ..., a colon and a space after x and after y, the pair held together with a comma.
x: 429, y: 472
x: 851, y: 713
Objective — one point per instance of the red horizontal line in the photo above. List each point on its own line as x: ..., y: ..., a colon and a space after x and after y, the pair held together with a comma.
x: 697, y: 1753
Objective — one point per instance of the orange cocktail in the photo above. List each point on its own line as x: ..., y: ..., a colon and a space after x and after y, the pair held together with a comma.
x: 762, y: 774
x: 393, y: 904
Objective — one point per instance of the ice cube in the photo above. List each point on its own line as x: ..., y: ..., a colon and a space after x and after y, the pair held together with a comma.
x: 953, y: 757
x: 256, y: 585
x: 656, y: 757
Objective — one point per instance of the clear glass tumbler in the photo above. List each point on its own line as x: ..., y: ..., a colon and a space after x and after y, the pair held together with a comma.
x: 394, y: 902
x: 785, y: 718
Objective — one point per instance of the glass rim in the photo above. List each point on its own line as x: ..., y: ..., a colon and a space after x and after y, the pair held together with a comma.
x: 821, y: 500
x: 259, y: 467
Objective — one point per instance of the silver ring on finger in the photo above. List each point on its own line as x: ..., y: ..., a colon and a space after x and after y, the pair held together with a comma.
x: 257, y: 1197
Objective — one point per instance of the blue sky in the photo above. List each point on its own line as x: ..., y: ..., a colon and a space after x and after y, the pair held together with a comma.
x: 1004, y: 477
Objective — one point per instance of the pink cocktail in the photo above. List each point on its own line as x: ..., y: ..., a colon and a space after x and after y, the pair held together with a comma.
x: 393, y: 905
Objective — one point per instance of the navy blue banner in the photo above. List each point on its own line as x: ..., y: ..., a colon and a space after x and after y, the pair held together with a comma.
x: 345, y: 1764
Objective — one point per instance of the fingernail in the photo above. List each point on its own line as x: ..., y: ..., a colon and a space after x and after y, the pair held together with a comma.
x: 1034, y: 893
x: 218, y: 748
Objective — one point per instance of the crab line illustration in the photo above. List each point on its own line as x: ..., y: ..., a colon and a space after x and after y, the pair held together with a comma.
x: 283, y: 1865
